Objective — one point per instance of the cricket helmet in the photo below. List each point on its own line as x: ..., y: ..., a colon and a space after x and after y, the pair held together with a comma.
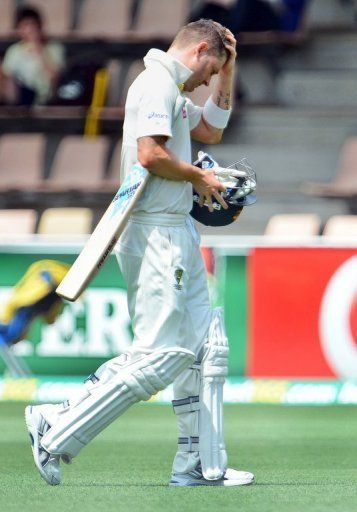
x: 237, y: 195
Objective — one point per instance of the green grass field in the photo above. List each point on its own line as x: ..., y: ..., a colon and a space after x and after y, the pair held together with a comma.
x: 304, y: 459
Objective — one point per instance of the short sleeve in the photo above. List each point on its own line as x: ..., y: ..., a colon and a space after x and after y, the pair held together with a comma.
x: 9, y: 64
x: 155, y: 112
x: 194, y: 113
x: 56, y: 55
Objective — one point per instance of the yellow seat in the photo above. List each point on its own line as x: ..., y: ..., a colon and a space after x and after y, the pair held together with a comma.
x: 107, y: 18
x: 156, y: 18
x: 66, y: 221
x: 21, y: 161
x: 341, y: 226
x: 79, y: 163
x: 292, y: 225
x: 17, y: 222
x: 7, y: 18
x: 57, y: 16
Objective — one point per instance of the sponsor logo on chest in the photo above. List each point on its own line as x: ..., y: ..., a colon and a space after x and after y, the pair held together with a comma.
x: 157, y: 115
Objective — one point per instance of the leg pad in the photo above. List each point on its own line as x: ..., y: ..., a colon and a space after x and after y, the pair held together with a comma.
x: 118, y: 385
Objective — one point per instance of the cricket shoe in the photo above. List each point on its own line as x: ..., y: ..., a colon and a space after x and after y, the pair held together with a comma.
x: 47, y: 464
x: 231, y: 478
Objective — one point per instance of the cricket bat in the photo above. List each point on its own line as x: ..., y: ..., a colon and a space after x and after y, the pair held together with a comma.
x: 105, y: 235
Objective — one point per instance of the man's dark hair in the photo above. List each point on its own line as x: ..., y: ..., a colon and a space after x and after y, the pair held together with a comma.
x: 26, y: 13
x: 204, y: 30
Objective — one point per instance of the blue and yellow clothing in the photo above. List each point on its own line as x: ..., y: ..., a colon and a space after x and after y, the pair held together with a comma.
x: 34, y: 295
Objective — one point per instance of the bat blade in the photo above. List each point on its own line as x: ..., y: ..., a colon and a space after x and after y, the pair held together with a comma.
x: 105, y: 236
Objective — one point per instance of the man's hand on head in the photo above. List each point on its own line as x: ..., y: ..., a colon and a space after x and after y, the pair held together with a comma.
x: 231, y: 46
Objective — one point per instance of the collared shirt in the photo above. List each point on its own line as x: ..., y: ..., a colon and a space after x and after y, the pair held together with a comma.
x: 155, y: 105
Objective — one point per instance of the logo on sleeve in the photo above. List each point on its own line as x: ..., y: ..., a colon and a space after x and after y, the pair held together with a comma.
x: 184, y: 112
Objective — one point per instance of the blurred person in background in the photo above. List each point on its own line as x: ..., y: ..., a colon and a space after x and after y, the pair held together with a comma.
x: 32, y: 297
x: 253, y: 15
x: 217, y: 10
x: 31, y: 66
x: 261, y: 15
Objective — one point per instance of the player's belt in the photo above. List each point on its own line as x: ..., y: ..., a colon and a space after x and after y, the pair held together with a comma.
x: 159, y: 219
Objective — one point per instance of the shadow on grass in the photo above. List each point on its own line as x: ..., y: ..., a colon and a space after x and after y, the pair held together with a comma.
x: 114, y: 485
x: 256, y: 484
x: 298, y: 484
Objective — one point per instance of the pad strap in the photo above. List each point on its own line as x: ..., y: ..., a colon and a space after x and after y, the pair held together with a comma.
x: 188, y: 444
x: 117, y: 385
x: 189, y: 404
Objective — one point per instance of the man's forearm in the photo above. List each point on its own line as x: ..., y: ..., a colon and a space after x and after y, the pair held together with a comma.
x: 159, y: 160
x: 222, y: 92
x: 171, y: 168
x: 217, y: 109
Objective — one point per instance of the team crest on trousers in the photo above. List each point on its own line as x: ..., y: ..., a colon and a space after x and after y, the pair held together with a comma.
x: 178, y: 278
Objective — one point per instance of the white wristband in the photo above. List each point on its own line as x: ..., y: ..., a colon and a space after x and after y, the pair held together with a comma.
x: 214, y: 115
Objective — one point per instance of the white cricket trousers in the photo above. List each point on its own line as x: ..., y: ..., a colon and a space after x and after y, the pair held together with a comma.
x: 168, y: 298
x: 168, y: 303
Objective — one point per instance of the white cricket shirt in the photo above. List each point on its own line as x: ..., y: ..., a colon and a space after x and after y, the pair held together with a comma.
x: 156, y: 106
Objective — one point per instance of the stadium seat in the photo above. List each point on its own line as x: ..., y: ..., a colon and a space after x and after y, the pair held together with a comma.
x: 345, y: 182
x: 7, y: 18
x: 114, y: 69
x: 159, y: 19
x: 292, y: 225
x: 341, y: 226
x: 111, y: 20
x: 331, y: 14
x: 57, y: 16
x: 79, y: 164
x: 66, y: 221
x: 17, y: 222
x: 120, y: 77
x: 21, y: 161
x: 136, y: 67
x: 113, y: 177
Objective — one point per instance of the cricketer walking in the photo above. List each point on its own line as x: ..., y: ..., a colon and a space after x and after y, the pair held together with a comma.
x: 177, y: 337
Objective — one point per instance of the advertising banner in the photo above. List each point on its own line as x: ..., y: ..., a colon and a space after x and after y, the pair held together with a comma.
x: 232, y: 283
x: 237, y: 390
x: 302, y: 312
x: 88, y: 332
x: 97, y: 326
